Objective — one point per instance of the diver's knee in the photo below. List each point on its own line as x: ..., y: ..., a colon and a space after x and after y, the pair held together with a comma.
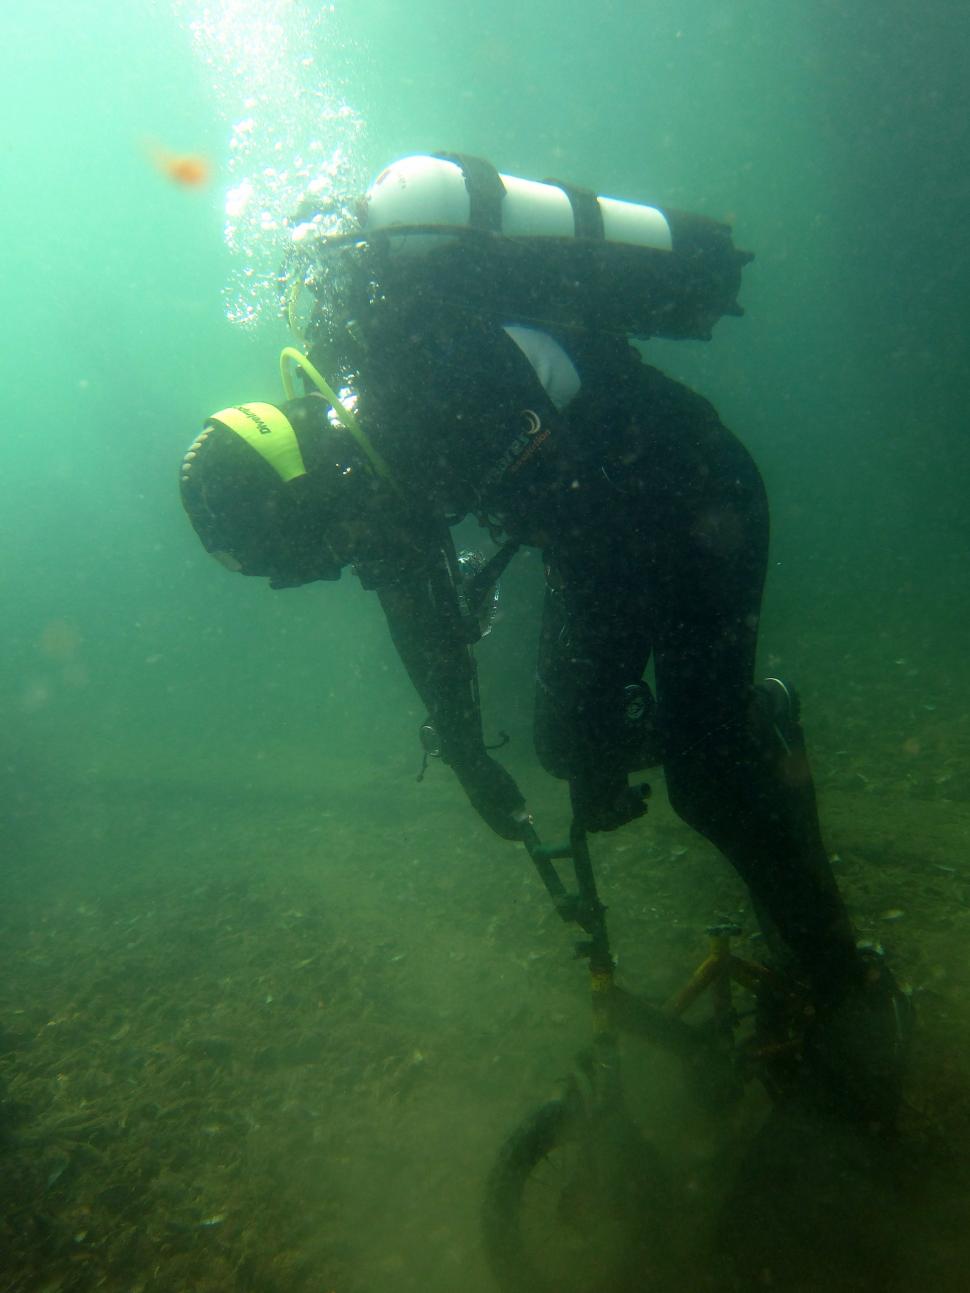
x: 754, y: 763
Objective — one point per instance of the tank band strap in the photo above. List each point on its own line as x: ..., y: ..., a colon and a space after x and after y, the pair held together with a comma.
x: 587, y: 215
x: 485, y: 190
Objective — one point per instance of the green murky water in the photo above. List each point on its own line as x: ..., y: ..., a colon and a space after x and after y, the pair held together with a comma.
x: 268, y: 1006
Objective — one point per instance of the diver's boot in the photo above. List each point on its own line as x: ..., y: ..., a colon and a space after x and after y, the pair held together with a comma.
x: 856, y: 1050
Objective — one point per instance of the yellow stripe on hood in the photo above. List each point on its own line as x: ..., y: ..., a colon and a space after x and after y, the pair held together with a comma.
x: 269, y: 432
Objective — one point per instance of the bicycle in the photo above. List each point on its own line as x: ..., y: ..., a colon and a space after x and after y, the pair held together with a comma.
x: 577, y: 1201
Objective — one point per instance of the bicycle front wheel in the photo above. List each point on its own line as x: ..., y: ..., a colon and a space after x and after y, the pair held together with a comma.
x: 573, y: 1206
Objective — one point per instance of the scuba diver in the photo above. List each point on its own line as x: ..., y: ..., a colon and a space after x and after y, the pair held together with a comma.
x: 476, y: 327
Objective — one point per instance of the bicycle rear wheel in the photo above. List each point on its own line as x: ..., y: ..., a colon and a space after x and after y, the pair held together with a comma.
x: 574, y: 1206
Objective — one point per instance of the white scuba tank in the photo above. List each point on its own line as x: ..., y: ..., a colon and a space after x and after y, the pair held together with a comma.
x: 426, y: 190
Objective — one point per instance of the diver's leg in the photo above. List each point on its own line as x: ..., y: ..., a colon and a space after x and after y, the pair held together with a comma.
x: 594, y: 644
x: 742, y: 779
x: 551, y: 717
x: 728, y: 773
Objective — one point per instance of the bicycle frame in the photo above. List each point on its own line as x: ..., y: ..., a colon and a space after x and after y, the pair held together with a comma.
x: 578, y: 1197
x: 709, y: 1053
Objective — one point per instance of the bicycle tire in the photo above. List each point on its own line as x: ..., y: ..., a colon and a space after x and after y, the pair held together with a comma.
x: 548, y: 1224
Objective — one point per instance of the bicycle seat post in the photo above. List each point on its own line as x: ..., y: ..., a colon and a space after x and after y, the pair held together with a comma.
x: 714, y: 972
x: 720, y: 953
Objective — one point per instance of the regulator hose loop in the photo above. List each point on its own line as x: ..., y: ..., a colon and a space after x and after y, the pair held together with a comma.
x: 345, y: 416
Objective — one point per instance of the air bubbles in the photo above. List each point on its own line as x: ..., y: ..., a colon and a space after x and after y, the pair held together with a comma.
x: 292, y: 134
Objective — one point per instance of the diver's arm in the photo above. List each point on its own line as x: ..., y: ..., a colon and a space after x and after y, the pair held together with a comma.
x: 428, y: 632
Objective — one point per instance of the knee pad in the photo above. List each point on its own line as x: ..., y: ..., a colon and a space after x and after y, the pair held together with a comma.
x: 635, y: 740
x: 779, y: 708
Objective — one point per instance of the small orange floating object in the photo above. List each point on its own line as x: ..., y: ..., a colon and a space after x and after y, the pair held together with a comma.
x: 190, y: 170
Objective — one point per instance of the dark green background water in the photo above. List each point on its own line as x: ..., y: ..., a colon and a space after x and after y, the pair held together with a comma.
x: 832, y: 134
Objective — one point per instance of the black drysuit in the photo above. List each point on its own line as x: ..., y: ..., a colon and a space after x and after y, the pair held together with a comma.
x: 653, y: 523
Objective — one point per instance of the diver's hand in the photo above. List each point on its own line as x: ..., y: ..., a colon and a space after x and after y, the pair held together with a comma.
x: 493, y: 793
x: 603, y: 802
